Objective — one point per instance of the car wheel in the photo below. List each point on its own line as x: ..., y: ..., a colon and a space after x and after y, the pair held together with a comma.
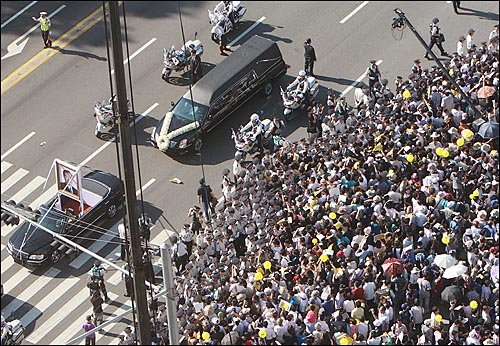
x: 105, y: 136
x: 112, y: 209
x: 268, y: 88
x: 55, y: 256
x: 198, y: 144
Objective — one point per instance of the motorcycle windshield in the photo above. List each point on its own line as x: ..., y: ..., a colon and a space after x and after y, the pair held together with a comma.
x: 188, y: 111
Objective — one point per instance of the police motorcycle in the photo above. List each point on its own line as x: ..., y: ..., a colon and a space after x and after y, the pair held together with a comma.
x: 178, y: 60
x: 220, y: 17
x: 245, y: 142
x: 294, y: 99
x: 12, y: 332
x: 103, y: 112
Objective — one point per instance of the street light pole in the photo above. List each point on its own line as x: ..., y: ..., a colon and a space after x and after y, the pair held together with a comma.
x: 171, y: 296
x: 139, y: 277
x: 399, y: 23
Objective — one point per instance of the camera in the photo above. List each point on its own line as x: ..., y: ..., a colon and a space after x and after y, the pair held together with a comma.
x: 397, y: 23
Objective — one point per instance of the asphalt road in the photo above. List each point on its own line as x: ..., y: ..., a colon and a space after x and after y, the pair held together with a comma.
x: 52, y: 93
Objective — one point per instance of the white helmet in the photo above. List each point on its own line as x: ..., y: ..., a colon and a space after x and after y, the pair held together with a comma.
x: 254, y: 117
x: 302, y: 73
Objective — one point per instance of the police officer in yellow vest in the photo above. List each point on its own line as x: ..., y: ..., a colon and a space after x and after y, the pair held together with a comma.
x: 45, y: 27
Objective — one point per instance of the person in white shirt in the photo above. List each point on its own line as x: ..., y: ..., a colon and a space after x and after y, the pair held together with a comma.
x: 461, y: 50
x: 470, y: 39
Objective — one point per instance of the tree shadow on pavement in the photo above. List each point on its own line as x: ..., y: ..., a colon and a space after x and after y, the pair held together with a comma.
x: 79, y: 53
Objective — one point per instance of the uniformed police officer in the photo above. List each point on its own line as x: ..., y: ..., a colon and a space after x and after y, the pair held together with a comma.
x: 45, y: 26
x: 309, y: 56
x: 373, y: 74
x: 436, y: 38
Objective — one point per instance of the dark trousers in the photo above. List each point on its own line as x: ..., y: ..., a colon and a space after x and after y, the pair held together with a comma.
x: 435, y: 41
x: 195, y: 77
x: 181, y: 262
x: 456, y: 6
x: 309, y: 67
x: 371, y: 83
x: 123, y: 250
x: 46, y: 39
x: 90, y: 340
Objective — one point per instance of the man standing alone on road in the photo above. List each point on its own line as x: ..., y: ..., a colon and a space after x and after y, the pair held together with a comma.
x: 88, y: 326
x: 310, y: 57
x: 45, y: 26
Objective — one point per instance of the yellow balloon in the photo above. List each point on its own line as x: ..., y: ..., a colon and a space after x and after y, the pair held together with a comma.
x: 259, y: 270
x: 471, y: 196
x: 315, y: 241
x: 473, y: 304
x: 446, y: 240
x: 439, y: 151
x: 475, y: 193
x: 262, y: 333
x: 258, y: 276
x: 205, y: 336
x: 332, y: 215
x: 446, y: 153
x: 410, y: 158
x: 338, y: 225
x: 460, y: 142
x: 467, y: 133
x: 439, y: 318
x: 323, y: 257
x: 344, y: 341
x: 267, y: 265
x: 406, y: 94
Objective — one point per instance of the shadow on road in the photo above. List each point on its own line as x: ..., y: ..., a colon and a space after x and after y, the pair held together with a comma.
x: 480, y: 14
x: 79, y: 53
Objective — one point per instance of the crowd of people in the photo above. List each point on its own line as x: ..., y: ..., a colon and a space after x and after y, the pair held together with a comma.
x: 380, y: 228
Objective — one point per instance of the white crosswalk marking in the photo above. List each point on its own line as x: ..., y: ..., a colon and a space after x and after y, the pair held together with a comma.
x: 21, y: 274
x: 43, y: 307
x: 34, y: 288
x: 44, y: 197
x: 6, y: 230
x: 96, y: 247
x: 28, y: 189
x: 5, y: 166
x: 14, y: 178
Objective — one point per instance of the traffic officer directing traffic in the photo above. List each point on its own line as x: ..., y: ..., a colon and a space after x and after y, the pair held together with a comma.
x: 195, y: 64
x: 45, y: 26
x: 310, y: 57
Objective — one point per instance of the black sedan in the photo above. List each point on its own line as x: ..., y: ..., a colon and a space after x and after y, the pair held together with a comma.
x: 32, y: 246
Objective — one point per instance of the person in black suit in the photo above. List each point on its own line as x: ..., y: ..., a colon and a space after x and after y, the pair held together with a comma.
x: 195, y: 64
x: 309, y: 56
x: 66, y: 185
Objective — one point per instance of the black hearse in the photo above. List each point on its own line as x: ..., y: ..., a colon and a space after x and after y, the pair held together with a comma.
x: 255, y: 65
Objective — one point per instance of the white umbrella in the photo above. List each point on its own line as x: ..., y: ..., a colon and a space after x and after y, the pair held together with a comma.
x: 445, y: 261
x: 455, y: 271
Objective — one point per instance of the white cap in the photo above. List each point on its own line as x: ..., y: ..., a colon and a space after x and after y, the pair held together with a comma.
x: 43, y: 13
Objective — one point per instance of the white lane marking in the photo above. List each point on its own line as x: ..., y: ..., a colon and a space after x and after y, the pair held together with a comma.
x: 105, y: 145
x: 74, y: 329
x: 357, y: 81
x: 104, y: 240
x: 354, y: 12
x: 117, y: 275
x: 44, y: 197
x: 35, y: 287
x: 15, y: 48
x: 21, y: 274
x: 246, y: 32
x: 28, y: 189
x: 17, y: 14
x: 137, y: 52
x: 7, y: 262
x: 14, y: 178
x: 46, y: 305
x: 5, y: 166
x: 18, y: 145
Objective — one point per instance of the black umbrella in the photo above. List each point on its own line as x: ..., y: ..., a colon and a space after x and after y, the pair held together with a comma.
x: 489, y: 130
x: 452, y: 292
x: 231, y: 338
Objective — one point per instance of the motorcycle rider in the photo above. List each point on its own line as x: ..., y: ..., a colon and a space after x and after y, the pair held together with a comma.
x: 229, y: 10
x: 7, y: 332
x: 256, y: 128
x: 302, y: 86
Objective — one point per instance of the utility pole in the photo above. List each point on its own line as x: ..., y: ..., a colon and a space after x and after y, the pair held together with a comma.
x: 139, y: 276
x: 399, y: 23
x: 171, y: 296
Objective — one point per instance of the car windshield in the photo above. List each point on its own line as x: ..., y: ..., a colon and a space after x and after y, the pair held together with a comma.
x: 53, y: 220
x: 184, y: 110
